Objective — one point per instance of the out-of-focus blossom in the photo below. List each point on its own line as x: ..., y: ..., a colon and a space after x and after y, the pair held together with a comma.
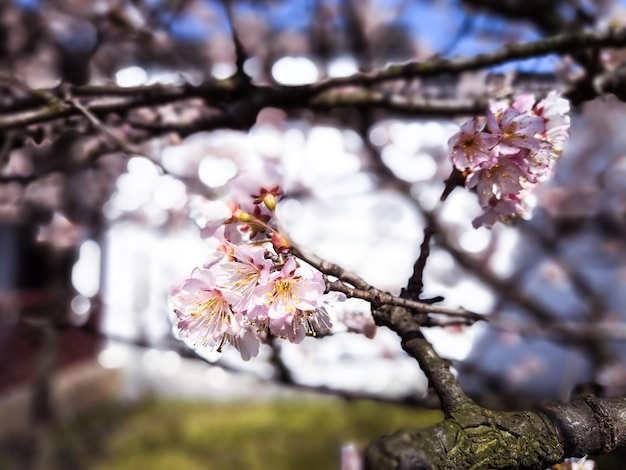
x: 359, y: 322
x: 471, y: 147
x: 500, y: 210
x: 574, y: 463
x: 515, y: 130
x: 210, y: 216
x: 246, y: 341
x: 351, y: 458
x: 553, y: 109
x: 517, y: 149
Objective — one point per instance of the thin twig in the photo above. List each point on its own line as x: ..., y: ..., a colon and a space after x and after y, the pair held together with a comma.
x: 561, y: 44
x: 379, y: 297
x: 415, y: 285
x: 332, y: 269
x: 121, y: 143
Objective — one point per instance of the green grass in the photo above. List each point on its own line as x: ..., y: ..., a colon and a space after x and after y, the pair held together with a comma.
x: 165, y: 435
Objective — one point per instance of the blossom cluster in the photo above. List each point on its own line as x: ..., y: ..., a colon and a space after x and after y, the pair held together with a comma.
x: 505, y: 155
x: 254, y: 285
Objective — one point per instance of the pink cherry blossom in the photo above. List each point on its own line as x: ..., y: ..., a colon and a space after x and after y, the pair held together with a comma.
x: 516, y: 130
x: 529, y: 139
x: 300, y: 323
x: 247, y: 269
x: 292, y: 300
x: 358, y: 322
x: 204, y: 310
x: 505, y: 177
x: 253, y: 285
x: 500, y: 210
x: 471, y: 146
x: 539, y: 164
x: 524, y: 103
x: 246, y: 341
x: 553, y: 109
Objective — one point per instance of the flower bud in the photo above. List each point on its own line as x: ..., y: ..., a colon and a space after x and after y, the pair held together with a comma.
x: 269, y: 199
x: 280, y: 242
x: 242, y: 216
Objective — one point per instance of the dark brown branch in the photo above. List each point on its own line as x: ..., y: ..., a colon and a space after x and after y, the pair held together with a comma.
x: 398, y: 314
x: 117, y: 141
x: 496, y: 283
x: 561, y: 44
x: 379, y: 297
x: 373, y: 99
x: 113, y: 99
x: 437, y: 370
x: 240, y: 52
x: 108, y: 99
x: 332, y: 269
x: 415, y: 285
x: 368, y: 292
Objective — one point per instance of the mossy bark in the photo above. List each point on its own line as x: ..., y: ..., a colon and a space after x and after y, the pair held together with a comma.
x: 473, y: 437
x: 476, y: 438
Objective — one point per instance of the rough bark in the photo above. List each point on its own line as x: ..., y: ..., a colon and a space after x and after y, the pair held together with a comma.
x: 476, y: 438
x: 473, y: 437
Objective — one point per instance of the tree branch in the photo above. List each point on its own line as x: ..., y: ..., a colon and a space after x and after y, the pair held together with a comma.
x: 107, y: 99
x: 561, y: 44
x: 481, y: 438
x: 437, y: 370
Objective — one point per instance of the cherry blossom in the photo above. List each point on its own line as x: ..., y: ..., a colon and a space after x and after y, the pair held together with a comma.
x: 553, y: 109
x: 204, y: 310
x: 471, y: 146
x: 516, y: 149
x: 293, y: 301
x: 247, y: 341
x: 515, y: 130
x: 500, y: 210
x: 247, y: 268
x: 253, y: 285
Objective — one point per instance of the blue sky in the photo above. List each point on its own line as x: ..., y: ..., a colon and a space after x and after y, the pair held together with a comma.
x: 436, y: 24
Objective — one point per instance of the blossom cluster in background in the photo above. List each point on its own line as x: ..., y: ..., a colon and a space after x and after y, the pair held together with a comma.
x: 254, y: 285
x: 574, y: 463
x: 505, y: 155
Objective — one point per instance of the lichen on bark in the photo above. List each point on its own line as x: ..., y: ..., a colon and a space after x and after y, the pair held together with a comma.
x: 474, y: 438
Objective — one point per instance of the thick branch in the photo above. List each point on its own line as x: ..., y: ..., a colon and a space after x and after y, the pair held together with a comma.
x: 481, y: 438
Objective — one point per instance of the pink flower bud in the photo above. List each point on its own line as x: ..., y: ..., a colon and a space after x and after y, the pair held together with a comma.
x: 281, y: 243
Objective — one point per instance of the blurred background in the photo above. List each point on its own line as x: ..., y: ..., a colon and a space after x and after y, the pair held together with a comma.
x: 92, y: 241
